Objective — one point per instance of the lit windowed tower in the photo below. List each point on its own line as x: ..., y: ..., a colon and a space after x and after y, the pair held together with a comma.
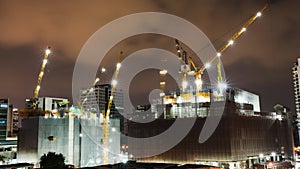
x: 296, y: 80
x: 98, y: 100
x: 5, y: 119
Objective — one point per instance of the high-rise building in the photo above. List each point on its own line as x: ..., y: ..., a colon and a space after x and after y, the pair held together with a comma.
x: 5, y: 111
x: 15, y: 121
x: 97, y: 100
x: 296, y: 81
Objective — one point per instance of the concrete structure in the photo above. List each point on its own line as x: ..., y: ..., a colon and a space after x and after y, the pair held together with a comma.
x: 45, y: 103
x: 191, y: 104
x: 79, y: 140
x: 242, y: 96
x: 243, y: 137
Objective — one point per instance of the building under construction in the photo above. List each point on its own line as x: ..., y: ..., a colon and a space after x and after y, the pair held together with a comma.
x: 78, y: 139
x: 244, y: 136
x: 76, y: 132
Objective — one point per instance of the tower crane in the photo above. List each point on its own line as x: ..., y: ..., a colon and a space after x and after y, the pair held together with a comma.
x: 107, y: 113
x: 40, y: 77
x: 198, y: 72
x: 185, y: 66
x: 188, y: 67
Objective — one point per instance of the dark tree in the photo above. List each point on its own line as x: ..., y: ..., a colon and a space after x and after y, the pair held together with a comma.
x: 52, y: 161
x: 2, y: 158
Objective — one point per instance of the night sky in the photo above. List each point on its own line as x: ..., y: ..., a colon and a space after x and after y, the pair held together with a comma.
x: 260, y: 61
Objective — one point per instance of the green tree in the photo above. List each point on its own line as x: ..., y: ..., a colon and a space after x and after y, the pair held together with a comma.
x: 52, y: 161
x: 2, y: 158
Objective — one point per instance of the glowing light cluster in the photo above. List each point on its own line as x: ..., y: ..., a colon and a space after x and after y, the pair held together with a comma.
x: 207, y: 65
x: 184, y: 84
x: 222, y: 85
x: 118, y: 65
x: 47, y: 51
x: 163, y: 72
x: 162, y: 83
x: 114, y: 82
x: 198, y: 81
x: 244, y: 29
x: 258, y: 14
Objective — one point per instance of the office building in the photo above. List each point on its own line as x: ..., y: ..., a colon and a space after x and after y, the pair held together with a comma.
x: 8, y: 144
x: 5, y: 120
x: 15, y: 119
x: 296, y: 82
x: 96, y: 100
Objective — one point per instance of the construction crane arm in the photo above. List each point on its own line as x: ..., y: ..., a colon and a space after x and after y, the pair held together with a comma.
x: 106, y: 132
x: 113, y: 88
x: 188, y: 62
x: 235, y: 36
x: 193, y: 64
x: 41, y: 74
x: 244, y: 28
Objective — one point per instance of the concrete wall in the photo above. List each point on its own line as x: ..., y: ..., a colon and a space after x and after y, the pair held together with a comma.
x: 28, y: 141
x: 92, y: 146
x: 59, y: 129
x: 237, y: 138
x: 78, y: 140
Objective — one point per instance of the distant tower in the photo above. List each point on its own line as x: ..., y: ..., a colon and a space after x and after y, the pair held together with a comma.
x: 100, y: 97
x: 296, y: 81
x: 5, y: 120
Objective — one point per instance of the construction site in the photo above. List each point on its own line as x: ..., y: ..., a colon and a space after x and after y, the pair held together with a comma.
x: 93, y: 132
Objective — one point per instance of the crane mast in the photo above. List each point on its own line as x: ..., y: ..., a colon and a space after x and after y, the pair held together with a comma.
x: 113, y: 88
x: 107, y: 113
x: 185, y: 66
x: 40, y: 76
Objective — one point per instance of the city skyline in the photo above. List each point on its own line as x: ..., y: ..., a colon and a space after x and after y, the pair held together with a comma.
x: 260, y: 61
